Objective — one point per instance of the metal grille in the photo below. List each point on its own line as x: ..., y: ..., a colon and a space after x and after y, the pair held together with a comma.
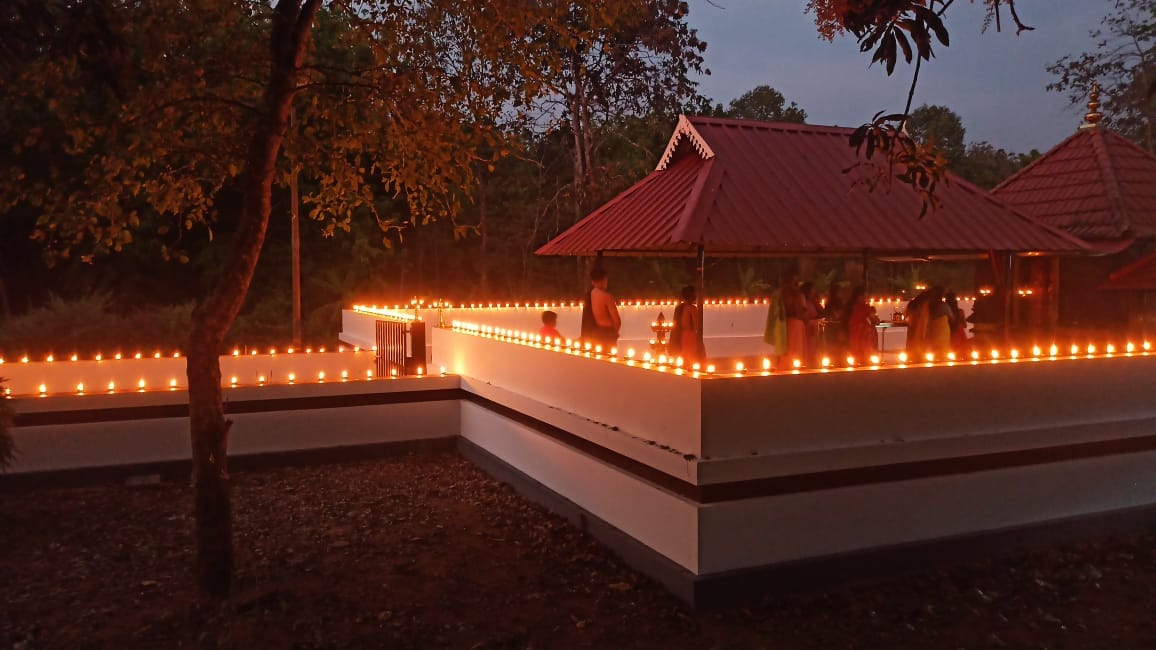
x: 400, y: 348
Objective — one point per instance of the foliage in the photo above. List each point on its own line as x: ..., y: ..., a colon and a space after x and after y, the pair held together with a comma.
x: 639, y: 64
x: 750, y: 284
x: 978, y: 162
x: 767, y: 104
x: 93, y: 324
x: 1124, y: 66
x: 987, y: 166
x: 921, y: 166
x: 888, y: 29
x: 61, y: 326
x: 940, y: 126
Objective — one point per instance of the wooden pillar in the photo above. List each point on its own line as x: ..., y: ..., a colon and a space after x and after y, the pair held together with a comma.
x: 1053, y: 293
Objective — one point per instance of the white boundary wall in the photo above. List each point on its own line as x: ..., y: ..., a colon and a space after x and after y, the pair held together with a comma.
x: 140, y: 439
x: 165, y: 373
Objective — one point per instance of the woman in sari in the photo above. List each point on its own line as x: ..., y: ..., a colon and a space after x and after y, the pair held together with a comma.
x: 686, y: 334
x: 861, y: 321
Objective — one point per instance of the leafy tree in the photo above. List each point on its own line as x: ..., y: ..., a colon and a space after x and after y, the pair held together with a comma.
x: 979, y: 162
x: 1124, y: 65
x: 987, y: 166
x: 766, y: 104
x: 938, y: 125
x: 637, y: 65
x: 181, y: 127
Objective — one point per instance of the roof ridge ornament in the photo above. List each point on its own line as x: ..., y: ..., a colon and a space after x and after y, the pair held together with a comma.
x: 1093, y: 117
x: 684, y: 130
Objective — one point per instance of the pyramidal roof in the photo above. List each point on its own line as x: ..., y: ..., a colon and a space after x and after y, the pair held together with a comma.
x: 740, y: 187
x: 1096, y: 185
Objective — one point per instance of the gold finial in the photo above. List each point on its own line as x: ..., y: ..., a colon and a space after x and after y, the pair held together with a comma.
x: 1093, y: 116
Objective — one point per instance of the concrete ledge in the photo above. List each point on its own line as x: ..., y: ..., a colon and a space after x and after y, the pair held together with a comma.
x: 641, y: 557
x: 179, y: 470
x: 880, y: 564
x: 813, y: 574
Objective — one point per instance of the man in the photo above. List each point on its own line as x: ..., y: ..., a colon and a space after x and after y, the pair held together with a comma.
x: 600, y: 319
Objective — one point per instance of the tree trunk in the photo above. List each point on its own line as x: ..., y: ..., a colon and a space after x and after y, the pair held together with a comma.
x: 578, y: 125
x: 484, y: 235
x: 295, y: 254
x: 209, y: 431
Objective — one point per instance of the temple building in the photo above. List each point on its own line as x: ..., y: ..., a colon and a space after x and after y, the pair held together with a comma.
x: 1100, y: 187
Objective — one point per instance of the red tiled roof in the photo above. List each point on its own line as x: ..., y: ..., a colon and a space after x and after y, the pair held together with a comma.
x: 1095, y: 184
x: 1137, y: 276
x: 743, y: 187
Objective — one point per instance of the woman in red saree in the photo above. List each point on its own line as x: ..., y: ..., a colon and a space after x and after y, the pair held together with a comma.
x: 861, y: 322
x: 686, y: 335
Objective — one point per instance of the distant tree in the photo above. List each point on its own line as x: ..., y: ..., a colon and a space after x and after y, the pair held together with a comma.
x: 1124, y: 65
x: 978, y: 162
x: 941, y: 126
x: 637, y: 64
x: 987, y: 166
x: 766, y: 104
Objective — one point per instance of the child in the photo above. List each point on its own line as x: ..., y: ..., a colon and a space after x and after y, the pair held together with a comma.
x: 550, y: 325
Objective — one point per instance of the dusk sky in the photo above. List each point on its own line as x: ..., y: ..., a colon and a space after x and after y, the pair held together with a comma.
x: 995, y: 81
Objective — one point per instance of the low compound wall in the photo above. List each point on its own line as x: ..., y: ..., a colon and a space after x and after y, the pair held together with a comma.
x: 67, y: 433
x: 711, y: 479
x: 111, y: 375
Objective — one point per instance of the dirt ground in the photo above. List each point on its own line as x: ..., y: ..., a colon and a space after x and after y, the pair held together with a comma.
x: 426, y: 551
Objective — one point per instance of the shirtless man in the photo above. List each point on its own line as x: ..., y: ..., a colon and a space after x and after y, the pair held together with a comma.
x: 600, y: 319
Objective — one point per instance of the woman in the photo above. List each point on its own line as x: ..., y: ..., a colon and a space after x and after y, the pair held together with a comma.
x: 959, y: 343
x: 686, y: 334
x: 861, y: 321
x: 938, y: 331
x: 812, y: 319
x: 795, y: 308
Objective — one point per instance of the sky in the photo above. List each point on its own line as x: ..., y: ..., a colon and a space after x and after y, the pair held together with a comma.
x: 995, y: 81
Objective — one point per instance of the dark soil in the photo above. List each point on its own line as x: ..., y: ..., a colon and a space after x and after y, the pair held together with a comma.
x: 427, y: 551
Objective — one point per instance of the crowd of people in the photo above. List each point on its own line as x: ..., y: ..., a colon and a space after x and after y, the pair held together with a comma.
x: 800, y: 325
x: 935, y: 324
x: 807, y: 328
x: 802, y: 328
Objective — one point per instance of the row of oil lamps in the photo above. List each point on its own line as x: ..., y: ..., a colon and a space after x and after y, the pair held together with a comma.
x: 404, y: 312
x: 290, y: 378
x: 676, y: 364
